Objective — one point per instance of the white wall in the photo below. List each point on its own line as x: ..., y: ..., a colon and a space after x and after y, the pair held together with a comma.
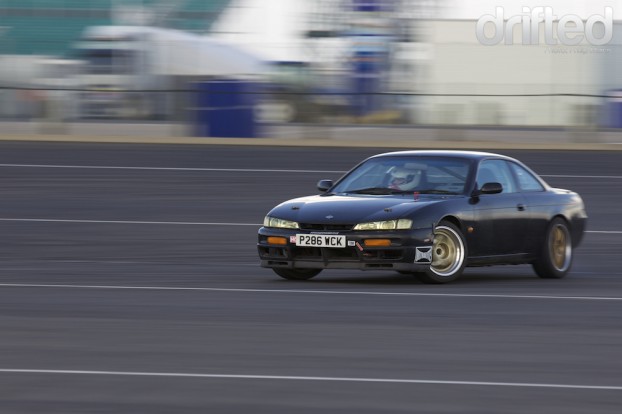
x: 461, y: 65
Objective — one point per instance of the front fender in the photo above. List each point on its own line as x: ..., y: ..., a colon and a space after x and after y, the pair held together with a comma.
x: 459, y: 211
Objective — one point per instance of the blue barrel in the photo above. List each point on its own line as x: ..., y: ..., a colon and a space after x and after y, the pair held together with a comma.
x: 226, y: 108
x: 367, y: 82
x: 372, y: 5
x: 614, y: 109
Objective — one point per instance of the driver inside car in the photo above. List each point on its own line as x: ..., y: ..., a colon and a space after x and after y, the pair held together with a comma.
x: 405, y: 179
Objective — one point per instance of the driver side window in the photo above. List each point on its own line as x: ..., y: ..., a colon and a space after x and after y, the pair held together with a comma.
x: 496, y: 171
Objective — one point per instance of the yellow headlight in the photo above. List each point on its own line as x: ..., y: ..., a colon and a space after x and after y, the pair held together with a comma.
x: 279, y: 223
x: 401, y: 224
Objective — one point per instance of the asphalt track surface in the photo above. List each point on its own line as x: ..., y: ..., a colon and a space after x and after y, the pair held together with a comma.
x: 135, y: 288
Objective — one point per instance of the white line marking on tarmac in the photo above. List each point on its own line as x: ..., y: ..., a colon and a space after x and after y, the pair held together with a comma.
x: 184, y: 223
x: 177, y: 223
x: 615, y: 177
x: 250, y: 170
x: 106, y: 167
x: 317, y: 292
x: 308, y: 378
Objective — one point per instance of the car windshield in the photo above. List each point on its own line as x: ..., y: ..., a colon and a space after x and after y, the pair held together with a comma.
x: 406, y: 175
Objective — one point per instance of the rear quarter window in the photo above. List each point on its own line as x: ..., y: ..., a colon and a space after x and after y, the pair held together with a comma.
x: 526, y: 180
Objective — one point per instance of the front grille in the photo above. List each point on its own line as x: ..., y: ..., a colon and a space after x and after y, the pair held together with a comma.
x: 317, y: 253
x: 307, y: 253
x: 326, y: 227
x: 341, y: 254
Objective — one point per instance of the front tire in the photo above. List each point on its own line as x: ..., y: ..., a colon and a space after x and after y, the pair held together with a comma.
x: 556, y: 255
x: 297, y: 274
x: 449, y: 255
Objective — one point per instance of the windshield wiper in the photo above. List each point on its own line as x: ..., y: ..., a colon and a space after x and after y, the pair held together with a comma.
x: 434, y: 191
x: 391, y: 191
x: 375, y: 191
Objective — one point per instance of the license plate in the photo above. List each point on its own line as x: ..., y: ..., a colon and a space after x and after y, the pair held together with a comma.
x: 318, y: 240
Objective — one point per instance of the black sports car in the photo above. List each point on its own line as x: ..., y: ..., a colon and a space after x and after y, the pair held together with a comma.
x: 429, y: 213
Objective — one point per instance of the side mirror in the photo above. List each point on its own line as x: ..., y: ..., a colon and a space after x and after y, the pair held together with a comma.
x: 324, y: 185
x: 491, y: 188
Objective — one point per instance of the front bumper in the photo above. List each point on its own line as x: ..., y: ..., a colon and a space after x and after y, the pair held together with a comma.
x: 401, y: 255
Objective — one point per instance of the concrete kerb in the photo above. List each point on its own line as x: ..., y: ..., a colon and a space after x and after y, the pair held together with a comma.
x: 320, y: 142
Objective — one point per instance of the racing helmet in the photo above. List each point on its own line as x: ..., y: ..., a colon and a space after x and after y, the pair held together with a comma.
x: 404, y: 179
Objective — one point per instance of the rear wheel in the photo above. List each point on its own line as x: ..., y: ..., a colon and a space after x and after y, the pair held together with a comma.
x: 297, y: 274
x: 556, y: 255
x: 448, y: 255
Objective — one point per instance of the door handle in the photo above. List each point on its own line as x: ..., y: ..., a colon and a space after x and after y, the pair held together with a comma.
x: 520, y: 207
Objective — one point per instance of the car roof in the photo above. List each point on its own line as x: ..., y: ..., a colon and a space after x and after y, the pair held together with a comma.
x: 473, y: 155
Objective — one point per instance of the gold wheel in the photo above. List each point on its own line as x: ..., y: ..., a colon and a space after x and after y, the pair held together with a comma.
x: 556, y: 257
x: 447, y: 252
x: 559, y: 247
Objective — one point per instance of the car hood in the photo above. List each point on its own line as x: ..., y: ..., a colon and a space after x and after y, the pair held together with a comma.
x: 340, y: 209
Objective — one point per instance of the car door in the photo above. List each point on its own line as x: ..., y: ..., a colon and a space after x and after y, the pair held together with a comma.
x: 501, y: 220
x: 538, y: 201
